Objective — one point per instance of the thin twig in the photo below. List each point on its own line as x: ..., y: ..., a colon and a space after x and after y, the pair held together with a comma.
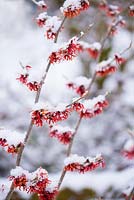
x: 59, y: 29
x: 20, y: 153
x: 63, y: 173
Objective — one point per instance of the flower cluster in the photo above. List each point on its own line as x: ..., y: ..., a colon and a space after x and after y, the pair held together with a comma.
x: 67, y: 52
x: 41, y: 19
x: 79, y: 85
x: 92, y: 49
x: 24, y: 79
x: 128, y: 150
x: 131, y: 10
x: 50, y: 24
x: 105, y: 67
x: 109, y: 9
x: 93, y: 107
x: 48, y: 193
x: 81, y: 164
x: 63, y: 134
x: 49, y: 114
x: 35, y: 182
x: 119, y: 22
x: 72, y: 8
x: 11, y: 141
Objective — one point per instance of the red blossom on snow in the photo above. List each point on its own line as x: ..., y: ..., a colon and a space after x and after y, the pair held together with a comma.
x: 63, y: 134
x: 119, y: 59
x: 73, y: 8
x: 67, y: 52
x: 128, y: 150
x: 131, y: 10
x: 33, y: 86
x: 82, y: 165
x: 106, y: 70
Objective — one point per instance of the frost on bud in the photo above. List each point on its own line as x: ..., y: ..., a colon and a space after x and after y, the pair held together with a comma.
x: 119, y: 59
x: 36, y: 182
x: 11, y: 141
x: 41, y: 19
x: 131, y: 10
x: 92, y: 49
x: 51, y: 27
x: 109, y: 9
x: 80, y: 164
x: 79, y: 85
x: 119, y: 22
x: 42, y: 5
x: 68, y: 51
x: 94, y: 107
x: 72, y: 8
x: 105, y: 68
x: 30, y: 182
x: 63, y: 134
x: 128, y: 150
x: 49, y: 114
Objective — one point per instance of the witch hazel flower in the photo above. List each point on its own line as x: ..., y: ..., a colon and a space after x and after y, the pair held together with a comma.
x: 67, y: 51
x: 128, y: 150
x: 119, y: 59
x: 75, y: 163
x: 63, y: 134
x: 72, y: 8
x: 131, y: 10
x: 23, y: 75
x: 79, y: 85
x: 119, y: 22
x: 51, y: 27
x: 48, y: 113
x: 33, y: 182
x: 11, y: 141
x: 94, y: 107
x: 105, y: 68
x: 109, y: 9
x: 41, y: 19
x: 92, y: 49
x: 49, y: 193
x: 25, y: 79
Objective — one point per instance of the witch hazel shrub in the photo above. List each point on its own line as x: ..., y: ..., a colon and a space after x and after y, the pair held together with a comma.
x: 46, y: 114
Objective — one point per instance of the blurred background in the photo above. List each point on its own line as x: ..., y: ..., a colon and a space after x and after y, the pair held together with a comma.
x: 22, y: 41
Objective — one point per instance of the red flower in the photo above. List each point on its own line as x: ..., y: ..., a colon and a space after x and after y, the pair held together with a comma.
x: 34, y: 182
x: 128, y: 150
x: 74, y: 8
x: 68, y: 52
x: 82, y: 165
x: 77, y: 106
x: 33, y: 86
x: 93, y: 107
x: 41, y: 19
x: 131, y: 10
x: 106, y: 71
x: 63, y: 134
x: 38, y: 117
x: 48, y: 194
x: 93, y: 52
x: 120, y: 60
